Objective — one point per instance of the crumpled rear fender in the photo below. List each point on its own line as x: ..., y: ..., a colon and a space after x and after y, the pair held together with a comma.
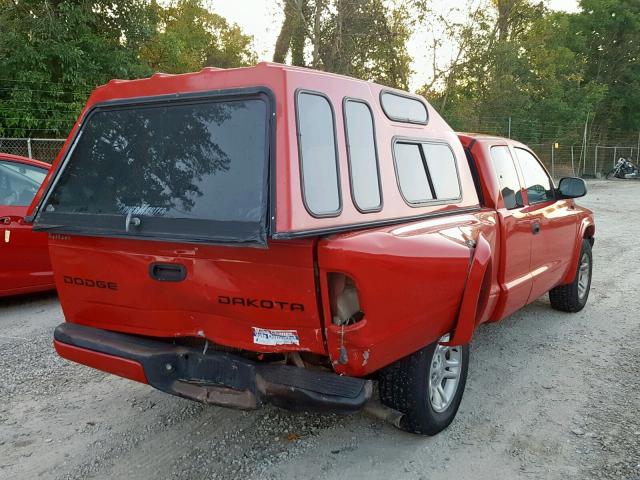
x: 475, y: 293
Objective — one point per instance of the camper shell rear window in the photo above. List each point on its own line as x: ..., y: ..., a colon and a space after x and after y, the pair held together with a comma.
x: 190, y: 168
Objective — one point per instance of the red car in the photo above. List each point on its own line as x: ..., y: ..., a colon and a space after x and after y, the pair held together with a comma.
x: 24, y: 254
x: 277, y: 234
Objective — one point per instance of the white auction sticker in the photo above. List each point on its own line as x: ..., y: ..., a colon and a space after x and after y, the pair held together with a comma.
x: 262, y: 336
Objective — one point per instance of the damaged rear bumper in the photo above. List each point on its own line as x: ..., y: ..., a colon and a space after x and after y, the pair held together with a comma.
x: 217, y: 378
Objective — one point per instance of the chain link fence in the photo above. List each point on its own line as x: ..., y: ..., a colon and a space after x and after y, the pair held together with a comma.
x: 592, y: 161
x: 43, y: 149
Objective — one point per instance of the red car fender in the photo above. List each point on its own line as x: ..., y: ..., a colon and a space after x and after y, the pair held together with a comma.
x: 472, y: 297
x: 585, y: 230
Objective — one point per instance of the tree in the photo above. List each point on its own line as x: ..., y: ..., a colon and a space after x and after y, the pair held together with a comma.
x: 362, y: 38
x: 516, y: 60
x: 189, y: 37
x: 607, y: 38
x: 52, y: 53
x: 293, y: 32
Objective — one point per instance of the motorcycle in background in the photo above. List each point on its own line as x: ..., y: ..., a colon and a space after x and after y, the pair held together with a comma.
x: 624, y: 169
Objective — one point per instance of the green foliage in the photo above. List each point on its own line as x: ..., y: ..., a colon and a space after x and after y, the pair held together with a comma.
x: 607, y: 36
x: 190, y: 37
x: 53, y: 53
x: 361, y: 38
x: 551, y: 71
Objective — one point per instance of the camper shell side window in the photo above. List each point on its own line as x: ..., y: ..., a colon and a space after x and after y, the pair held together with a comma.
x: 318, y: 152
x: 426, y: 172
x: 362, y: 153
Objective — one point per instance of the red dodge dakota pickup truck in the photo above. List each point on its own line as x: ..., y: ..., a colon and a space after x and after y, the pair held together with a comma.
x: 280, y: 235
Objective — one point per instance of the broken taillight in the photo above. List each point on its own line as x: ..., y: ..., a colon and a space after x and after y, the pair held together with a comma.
x: 344, y: 300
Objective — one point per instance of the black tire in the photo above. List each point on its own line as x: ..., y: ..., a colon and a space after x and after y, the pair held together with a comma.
x: 610, y: 173
x: 567, y: 298
x: 404, y: 386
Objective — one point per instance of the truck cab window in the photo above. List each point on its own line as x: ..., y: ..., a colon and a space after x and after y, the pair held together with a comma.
x: 537, y: 182
x: 507, y: 177
x: 318, y: 154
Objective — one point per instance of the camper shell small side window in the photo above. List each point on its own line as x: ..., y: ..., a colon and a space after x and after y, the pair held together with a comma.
x: 403, y: 108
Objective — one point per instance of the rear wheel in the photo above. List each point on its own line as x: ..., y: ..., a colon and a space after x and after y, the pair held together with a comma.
x: 427, y: 386
x: 573, y: 297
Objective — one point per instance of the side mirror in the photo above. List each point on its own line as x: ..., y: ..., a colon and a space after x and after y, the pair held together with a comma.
x: 572, y: 187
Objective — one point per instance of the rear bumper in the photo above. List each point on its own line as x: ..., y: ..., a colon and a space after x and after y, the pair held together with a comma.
x: 215, y: 378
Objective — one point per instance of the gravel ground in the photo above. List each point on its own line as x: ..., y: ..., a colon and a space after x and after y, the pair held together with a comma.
x: 549, y: 395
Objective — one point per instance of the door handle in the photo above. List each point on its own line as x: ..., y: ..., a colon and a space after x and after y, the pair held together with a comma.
x: 535, y: 227
x: 167, y: 272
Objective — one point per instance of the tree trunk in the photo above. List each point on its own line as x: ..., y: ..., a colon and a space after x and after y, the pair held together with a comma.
x: 505, y: 8
x: 286, y: 32
x: 317, y: 26
x: 299, y: 33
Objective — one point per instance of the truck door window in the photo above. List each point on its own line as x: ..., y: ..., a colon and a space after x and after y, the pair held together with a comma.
x: 507, y: 177
x: 537, y: 182
x: 19, y: 183
x: 318, y: 155
x: 363, y: 157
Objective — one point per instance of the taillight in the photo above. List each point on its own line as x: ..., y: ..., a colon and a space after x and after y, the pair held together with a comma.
x: 343, y: 299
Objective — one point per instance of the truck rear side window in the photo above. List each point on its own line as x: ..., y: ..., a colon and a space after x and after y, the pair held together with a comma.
x: 363, y: 157
x: 426, y: 172
x: 507, y: 177
x: 192, y: 170
x: 318, y: 154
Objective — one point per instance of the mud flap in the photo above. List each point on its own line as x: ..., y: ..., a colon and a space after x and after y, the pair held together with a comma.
x: 467, y: 316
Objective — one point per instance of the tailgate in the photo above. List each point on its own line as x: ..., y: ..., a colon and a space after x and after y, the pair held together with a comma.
x: 259, y: 299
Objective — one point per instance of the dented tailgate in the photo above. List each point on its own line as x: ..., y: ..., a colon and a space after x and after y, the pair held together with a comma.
x: 260, y: 299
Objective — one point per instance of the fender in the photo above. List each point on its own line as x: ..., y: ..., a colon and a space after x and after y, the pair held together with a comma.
x: 573, y: 266
x: 467, y: 316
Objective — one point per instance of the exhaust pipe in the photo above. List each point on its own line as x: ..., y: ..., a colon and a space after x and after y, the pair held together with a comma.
x: 384, y: 413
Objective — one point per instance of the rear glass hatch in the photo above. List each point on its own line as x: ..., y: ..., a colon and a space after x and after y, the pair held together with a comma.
x: 184, y: 168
